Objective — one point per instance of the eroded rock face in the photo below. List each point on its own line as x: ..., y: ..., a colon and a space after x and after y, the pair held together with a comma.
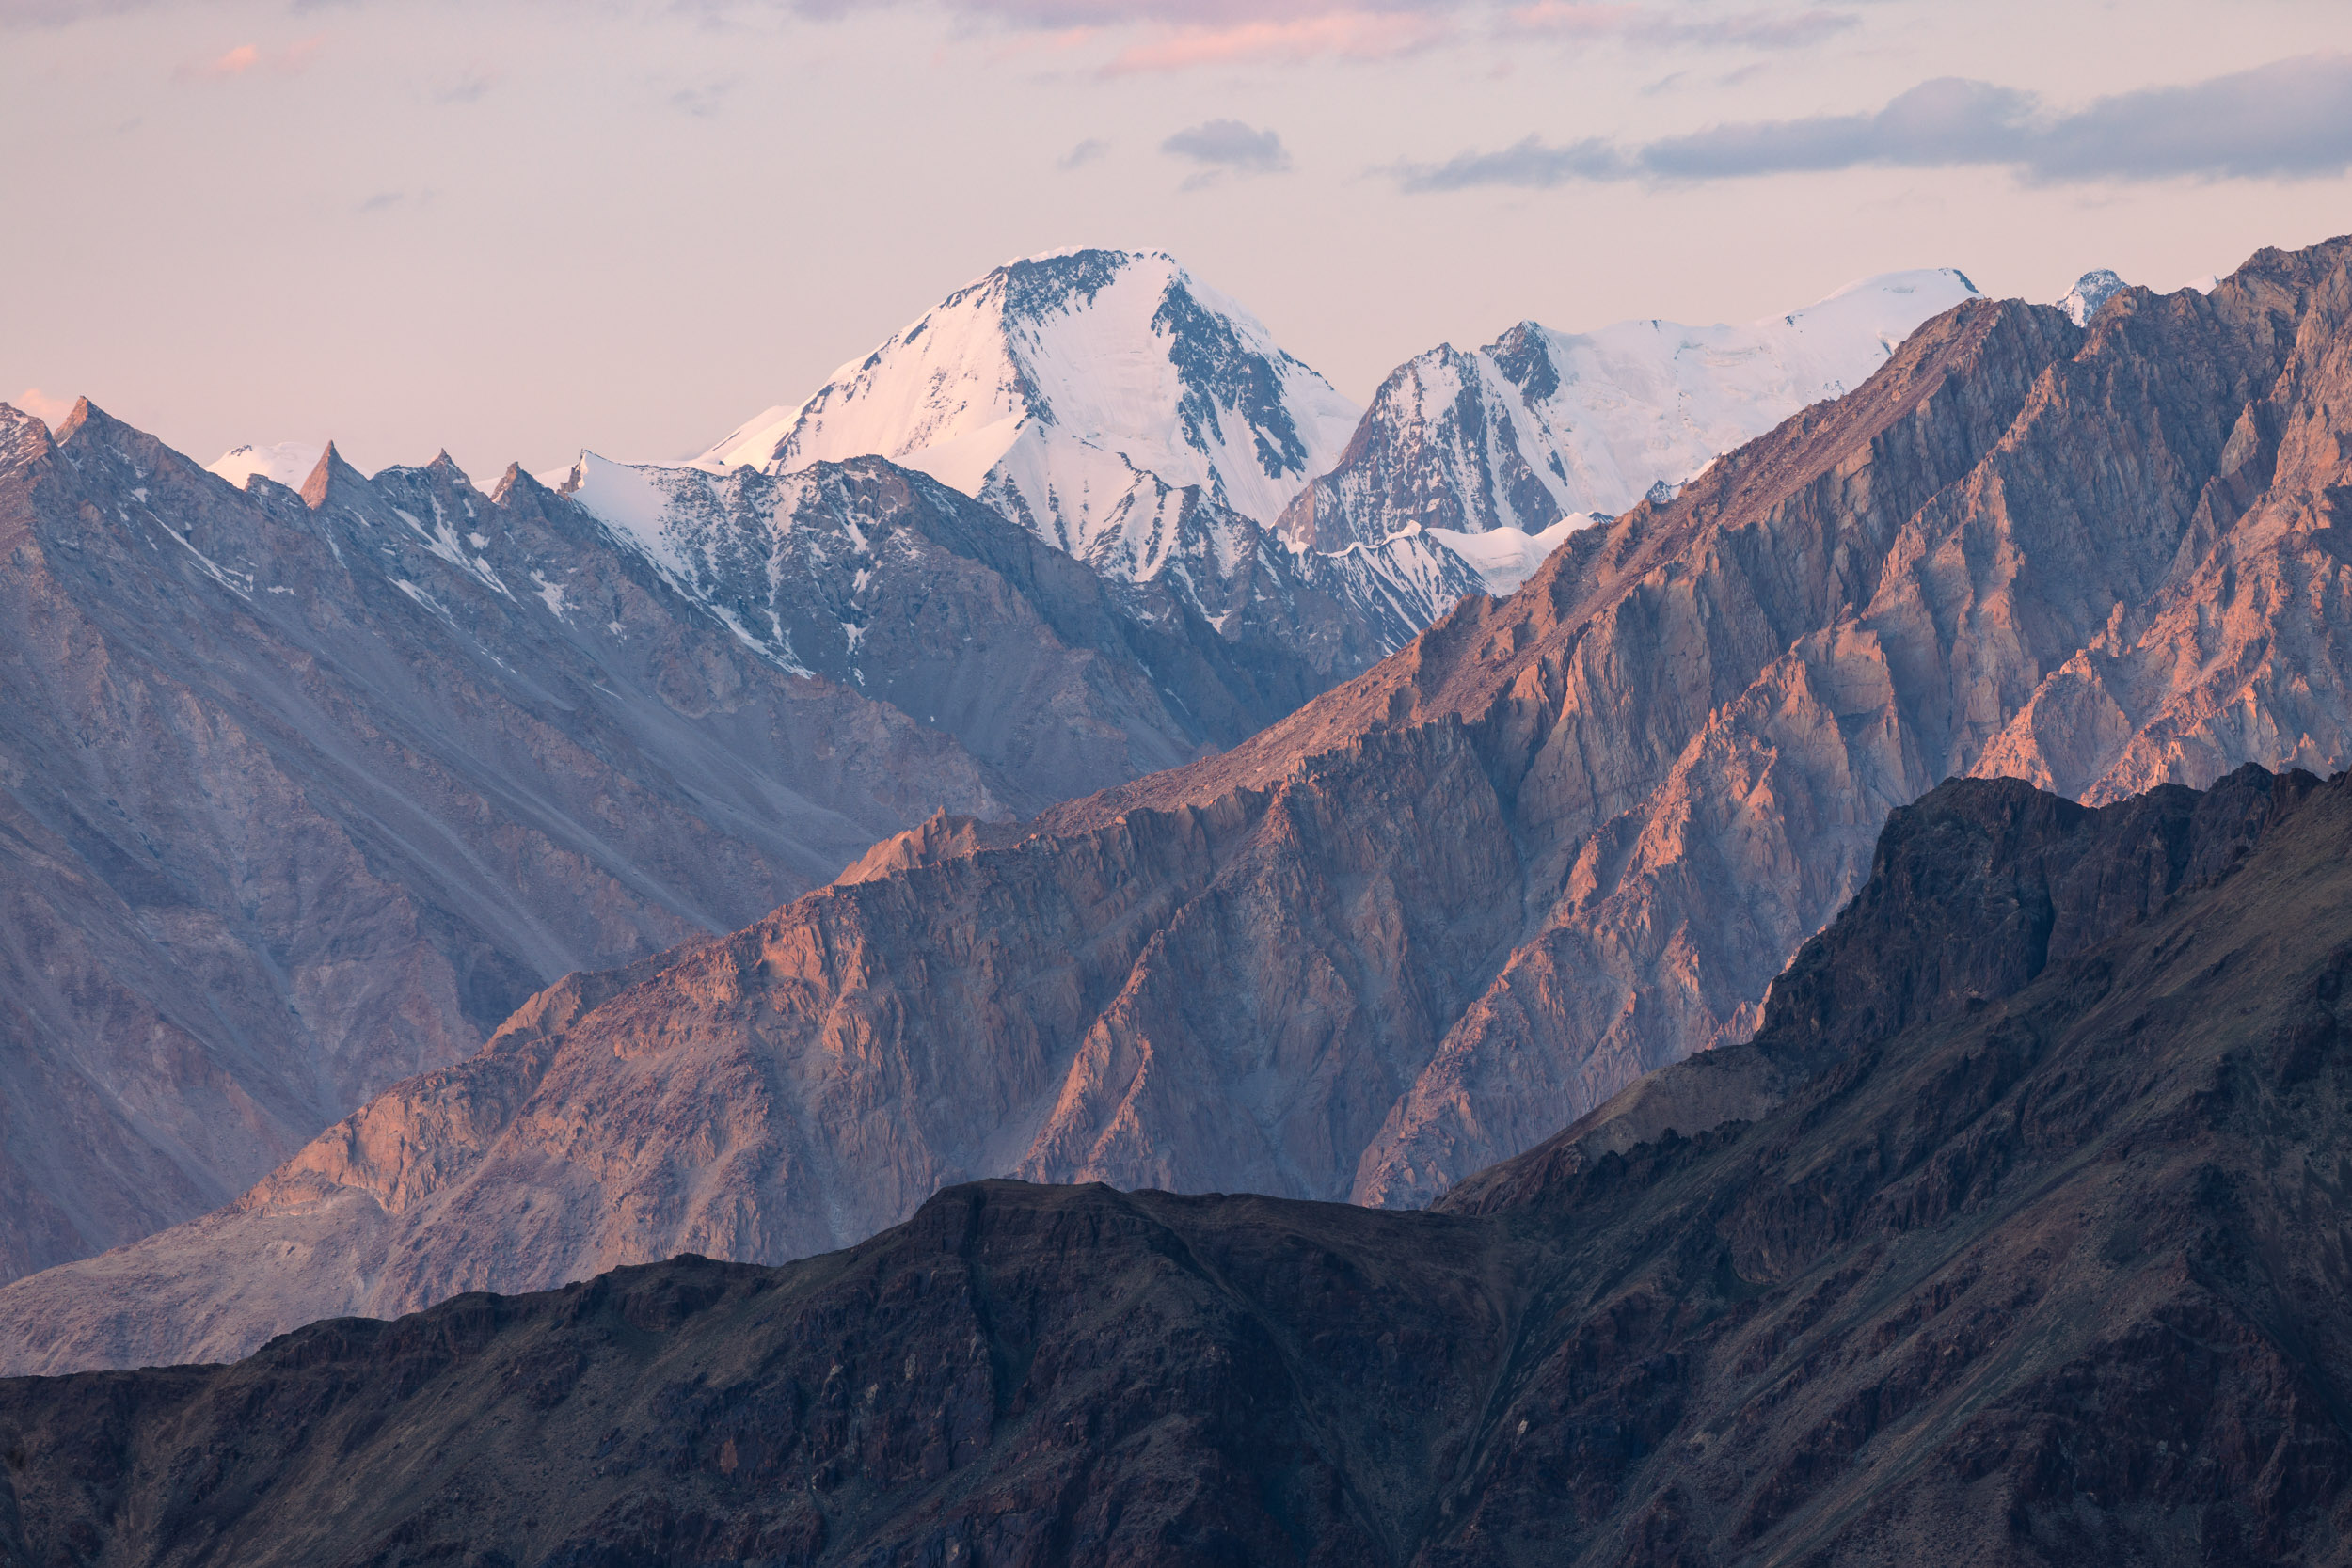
x: 2026, y: 1247
x: 1450, y: 907
x: 303, y: 794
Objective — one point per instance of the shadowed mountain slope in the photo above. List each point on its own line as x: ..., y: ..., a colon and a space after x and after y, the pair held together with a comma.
x: 1445, y: 909
x: 2025, y: 1243
x: 303, y: 794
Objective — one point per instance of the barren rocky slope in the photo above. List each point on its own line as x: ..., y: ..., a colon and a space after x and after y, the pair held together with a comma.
x: 304, y: 793
x: 1439, y: 912
x: 2016, y: 1235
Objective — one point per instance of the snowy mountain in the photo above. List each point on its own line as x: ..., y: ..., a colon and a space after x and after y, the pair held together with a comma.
x: 2090, y: 290
x: 1147, y: 425
x: 1541, y: 425
x: 1066, y: 390
x: 289, y: 463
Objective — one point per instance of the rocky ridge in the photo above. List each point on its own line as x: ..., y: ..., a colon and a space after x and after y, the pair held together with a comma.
x: 1560, y: 841
x: 1445, y: 908
x: 306, y: 792
x: 2015, y: 1236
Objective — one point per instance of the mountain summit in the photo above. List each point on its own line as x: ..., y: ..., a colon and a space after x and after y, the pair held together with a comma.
x: 1066, y: 390
x: 1543, y: 426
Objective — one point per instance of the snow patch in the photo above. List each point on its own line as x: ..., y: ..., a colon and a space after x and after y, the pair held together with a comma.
x: 289, y: 463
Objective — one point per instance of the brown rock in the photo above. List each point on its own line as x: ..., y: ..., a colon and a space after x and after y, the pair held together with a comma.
x: 2036, y: 1258
x: 1455, y: 903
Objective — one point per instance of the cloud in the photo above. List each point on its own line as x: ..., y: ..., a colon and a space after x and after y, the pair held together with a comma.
x: 1082, y: 154
x: 468, y: 88
x: 1176, y: 14
x: 383, y: 201
x: 248, y: 57
x: 702, y: 101
x: 2292, y: 119
x: 1752, y: 29
x: 57, y: 13
x: 41, y: 406
x: 1348, y: 35
x: 1222, y: 147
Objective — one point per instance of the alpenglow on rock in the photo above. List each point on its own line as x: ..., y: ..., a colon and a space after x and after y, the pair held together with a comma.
x: 1542, y: 427
x: 1439, y: 911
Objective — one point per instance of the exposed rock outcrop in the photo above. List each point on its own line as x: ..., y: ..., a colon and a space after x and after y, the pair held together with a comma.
x: 2034, y: 1253
x: 1450, y: 906
x: 302, y: 794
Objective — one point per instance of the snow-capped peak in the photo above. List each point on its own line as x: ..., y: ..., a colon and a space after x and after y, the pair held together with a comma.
x: 1059, y: 386
x: 1541, y: 425
x: 2090, y: 290
x: 289, y: 463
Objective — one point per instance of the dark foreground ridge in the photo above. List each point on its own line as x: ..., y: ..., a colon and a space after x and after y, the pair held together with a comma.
x: 2017, y: 1235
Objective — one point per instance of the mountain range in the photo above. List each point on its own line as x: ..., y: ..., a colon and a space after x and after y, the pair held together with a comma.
x: 2015, y: 1235
x: 314, y: 777
x: 1558, y: 841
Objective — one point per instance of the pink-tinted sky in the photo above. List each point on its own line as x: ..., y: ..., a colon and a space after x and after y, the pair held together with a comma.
x: 516, y: 228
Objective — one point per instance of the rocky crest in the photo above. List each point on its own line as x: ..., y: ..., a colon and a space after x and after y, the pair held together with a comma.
x: 2027, y: 1246
x: 305, y: 793
x: 1448, y: 908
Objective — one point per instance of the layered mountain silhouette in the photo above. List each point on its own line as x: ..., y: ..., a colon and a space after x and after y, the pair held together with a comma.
x: 305, y: 793
x: 1439, y: 912
x: 2016, y: 1234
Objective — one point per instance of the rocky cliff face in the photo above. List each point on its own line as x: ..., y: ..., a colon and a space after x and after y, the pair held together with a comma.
x: 2022, y: 1244
x: 1446, y: 909
x: 305, y: 793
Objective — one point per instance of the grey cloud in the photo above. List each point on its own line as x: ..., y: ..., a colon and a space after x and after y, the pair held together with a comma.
x: 1946, y: 121
x: 465, y: 90
x: 383, y: 201
x: 57, y: 13
x: 2289, y: 118
x: 1107, y: 13
x: 1228, y: 146
x: 1530, y: 164
x: 1082, y: 154
x: 702, y: 101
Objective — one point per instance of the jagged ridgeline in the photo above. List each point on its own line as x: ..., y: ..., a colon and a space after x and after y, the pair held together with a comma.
x: 2016, y: 1235
x: 308, y: 791
x: 1439, y: 912
x: 314, y: 779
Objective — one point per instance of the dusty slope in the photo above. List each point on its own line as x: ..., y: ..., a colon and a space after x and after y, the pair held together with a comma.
x: 302, y: 794
x: 1442, y: 911
x: 2033, y: 1253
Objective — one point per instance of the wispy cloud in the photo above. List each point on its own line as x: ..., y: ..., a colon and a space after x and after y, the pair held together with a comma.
x: 1082, y: 154
x: 1344, y: 35
x: 702, y: 101
x: 248, y: 57
x: 57, y: 13
x: 468, y: 88
x: 1749, y: 29
x: 1222, y: 147
x: 2292, y: 119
